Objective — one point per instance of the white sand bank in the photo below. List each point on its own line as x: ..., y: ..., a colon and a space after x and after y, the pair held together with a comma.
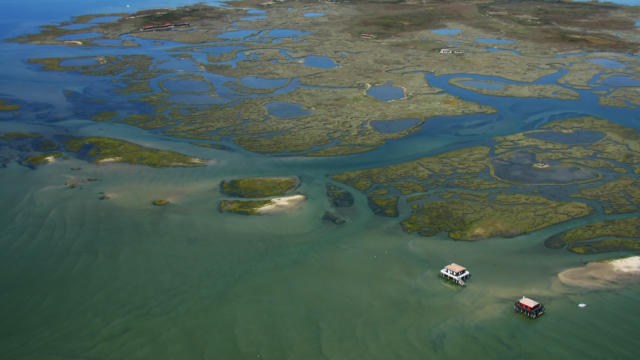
x: 282, y: 204
x: 605, y: 274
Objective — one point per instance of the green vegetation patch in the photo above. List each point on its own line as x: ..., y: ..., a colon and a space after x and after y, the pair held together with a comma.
x: 384, y: 205
x: 244, y: 207
x: 507, y: 216
x: 8, y: 107
x: 104, y: 150
x: 617, y: 197
x: 12, y: 136
x: 339, y: 197
x: 105, y: 116
x: 604, y: 236
x: 259, y: 187
x: 42, y: 158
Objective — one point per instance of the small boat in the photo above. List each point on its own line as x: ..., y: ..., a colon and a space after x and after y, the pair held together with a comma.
x: 582, y: 305
x: 529, y: 307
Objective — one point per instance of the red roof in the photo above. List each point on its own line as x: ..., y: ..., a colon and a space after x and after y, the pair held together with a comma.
x: 528, y: 302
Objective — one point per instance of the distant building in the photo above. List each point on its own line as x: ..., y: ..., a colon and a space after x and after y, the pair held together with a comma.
x: 449, y: 51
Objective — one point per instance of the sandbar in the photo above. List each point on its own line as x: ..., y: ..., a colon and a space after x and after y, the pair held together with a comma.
x: 282, y: 204
x: 603, y: 274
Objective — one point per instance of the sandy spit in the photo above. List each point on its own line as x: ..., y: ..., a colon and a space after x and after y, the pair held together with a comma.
x: 603, y: 274
x: 284, y: 203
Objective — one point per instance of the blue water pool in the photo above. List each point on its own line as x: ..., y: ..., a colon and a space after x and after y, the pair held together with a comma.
x: 262, y: 83
x: 621, y: 81
x: 446, y: 31
x: 607, y: 63
x: 237, y: 34
x: 286, y: 33
x: 79, y: 62
x: 319, y: 61
x: 386, y: 92
x: 313, y: 14
x: 286, y: 110
x: 575, y: 137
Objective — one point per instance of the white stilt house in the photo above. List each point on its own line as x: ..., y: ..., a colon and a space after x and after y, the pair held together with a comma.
x: 455, y: 273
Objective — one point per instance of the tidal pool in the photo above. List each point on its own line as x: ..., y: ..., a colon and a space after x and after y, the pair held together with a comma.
x: 621, y: 81
x: 237, y: 34
x: 386, y: 92
x: 519, y: 169
x: 286, y: 110
x: 286, y: 33
x: 262, y: 83
x: 446, y: 31
x: 393, y: 126
x: 319, y: 61
x: 575, y: 137
x: 607, y: 63
x: 79, y: 62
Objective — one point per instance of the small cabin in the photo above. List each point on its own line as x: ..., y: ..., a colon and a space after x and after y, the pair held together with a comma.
x: 446, y: 51
x: 455, y: 273
x: 529, y: 307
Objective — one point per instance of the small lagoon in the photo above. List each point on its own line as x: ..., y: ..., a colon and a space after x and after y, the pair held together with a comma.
x: 237, y: 34
x: 286, y: 110
x: 262, y: 83
x: 575, y: 137
x: 319, y: 61
x: 89, y: 61
x: 623, y: 81
x: 608, y: 63
x: 386, y: 92
x: 447, y: 31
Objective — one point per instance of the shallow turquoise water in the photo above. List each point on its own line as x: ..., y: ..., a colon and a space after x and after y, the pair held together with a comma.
x: 122, y: 279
